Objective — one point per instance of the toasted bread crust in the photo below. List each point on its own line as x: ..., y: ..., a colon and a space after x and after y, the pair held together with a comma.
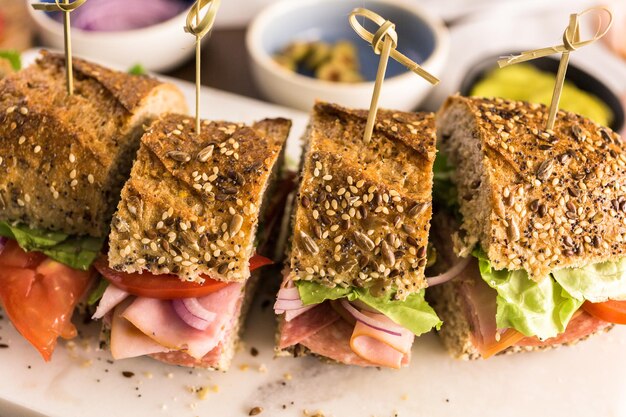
x: 63, y: 159
x: 363, y: 210
x: 191, y: 206
x: 540, y: 200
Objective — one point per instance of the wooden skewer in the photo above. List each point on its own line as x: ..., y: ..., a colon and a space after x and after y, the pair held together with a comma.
x: 199, y: 29
x: 66, y: 7
x: 571, y: 42
x: 384, y: 43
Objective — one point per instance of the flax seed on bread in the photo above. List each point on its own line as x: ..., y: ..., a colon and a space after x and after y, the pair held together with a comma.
x: 363, y: 209
x: 64, y: 159
x: 192, y: 203
x: 534, y: 199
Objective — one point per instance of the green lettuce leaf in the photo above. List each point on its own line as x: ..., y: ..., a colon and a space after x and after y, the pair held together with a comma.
x: 31, y: 239
x: 414, y: 313
x: 98, y: 292
x: 13, y: 57
x: 137, y: 69
x: 314, y: 293
x: 541, y: 309
x: 77, y: 252
x: 596, y: 283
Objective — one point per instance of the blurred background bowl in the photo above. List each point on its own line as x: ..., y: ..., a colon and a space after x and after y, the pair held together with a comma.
x: 159, y: 47
x: 422, y: 37
x: 576, y: 75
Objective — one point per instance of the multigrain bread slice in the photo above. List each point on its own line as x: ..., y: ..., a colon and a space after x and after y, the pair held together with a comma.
x: 363, y: 210
x: 451, y: 307
x: 64, y: 159
x: 192, y: 203
x: 534, y: 199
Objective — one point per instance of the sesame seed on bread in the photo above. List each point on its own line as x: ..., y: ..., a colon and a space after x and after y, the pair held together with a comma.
x: 363, y: 209
x: 64, y: 159
x: 192, y: 203
x: 534, y: 199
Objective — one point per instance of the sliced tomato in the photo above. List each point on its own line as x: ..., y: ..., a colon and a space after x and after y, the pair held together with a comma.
x: 611, y: 311
x: 40, y: 299
x: 166, y: 286
x: 507, y: 339
x: 258, y: 261
x: 14, y: 256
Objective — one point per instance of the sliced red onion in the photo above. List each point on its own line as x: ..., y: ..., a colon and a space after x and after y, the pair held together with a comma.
x: 364, y: 307
x: 121, y: 15
x: 3, y: 243
x: 450, y: 273
x: 288, y: 302
x: 292, y: 314
x: 393, y: 330
x: 290, y: 293
x: 110, y: 299
x: 282, y: 304
x: 193, y: 313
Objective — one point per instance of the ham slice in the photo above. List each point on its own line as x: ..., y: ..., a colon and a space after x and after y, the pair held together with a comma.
x: 145, y: 326
x: 333, y: 342
x: 306, y: 325
x: 479, y: 300
x: 126, y: 340
x: 110, y: 299
x: 379, y: 347
x: 325, y: 333
x: 158, y: 320
x: 211, y: 359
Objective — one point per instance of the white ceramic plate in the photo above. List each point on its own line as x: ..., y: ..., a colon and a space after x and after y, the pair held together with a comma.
x: 587, y: 379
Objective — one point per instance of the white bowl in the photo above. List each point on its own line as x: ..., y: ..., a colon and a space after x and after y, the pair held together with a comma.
x: 290, y: 20
x: 159, y: 47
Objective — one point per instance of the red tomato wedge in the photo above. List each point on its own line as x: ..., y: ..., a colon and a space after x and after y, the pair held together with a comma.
x: 507, y: 339
x: 39, y: 296
x: 14, y: 256
x: 611, y: 311
x: 166, y: 286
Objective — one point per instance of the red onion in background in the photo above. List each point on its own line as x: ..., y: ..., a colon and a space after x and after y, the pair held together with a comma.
x: 122, y: 15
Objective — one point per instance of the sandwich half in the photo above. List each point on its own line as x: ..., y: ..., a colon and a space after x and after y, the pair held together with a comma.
x: 182, y: 250
x: 538, y: 226
x: 353, y: 286
x: 63, y: 162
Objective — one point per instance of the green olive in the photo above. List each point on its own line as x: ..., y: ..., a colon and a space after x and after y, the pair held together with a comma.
x: 285, y: 62
x: 319, y: 54
x: 346, y: 53
x: 297, y: 50
x: 336, y: 72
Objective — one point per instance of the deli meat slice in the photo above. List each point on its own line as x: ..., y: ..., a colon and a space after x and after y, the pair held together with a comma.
x: 213, y: 358
x: 307, y: 324
x: 333, y: 342
x: 579, y: 327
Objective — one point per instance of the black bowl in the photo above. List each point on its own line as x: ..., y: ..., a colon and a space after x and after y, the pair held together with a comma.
x: 575, y: 75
